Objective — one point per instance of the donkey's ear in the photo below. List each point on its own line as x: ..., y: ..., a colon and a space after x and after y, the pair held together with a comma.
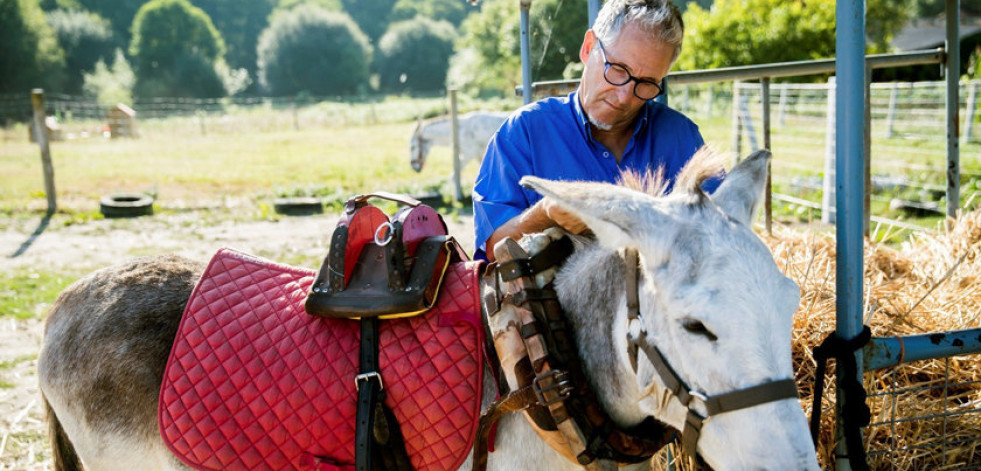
x: 612, y: 212
x: 739, y: 194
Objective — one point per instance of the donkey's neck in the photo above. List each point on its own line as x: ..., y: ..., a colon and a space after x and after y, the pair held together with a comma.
x: 591, y: 291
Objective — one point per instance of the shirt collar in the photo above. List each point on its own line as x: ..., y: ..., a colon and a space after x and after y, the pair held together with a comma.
x: 639, y: 125
x: 580, y: 114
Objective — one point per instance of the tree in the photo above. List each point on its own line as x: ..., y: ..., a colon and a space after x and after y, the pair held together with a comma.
x: 85, y: 38
x: 453, y: 11
x: 315, y: 50
x: 176, y: 47
x: 372, y: 16
x: 120, y: 14
x: 29, y: 52
x: 415, y: 54
x: 490, y: 43
x: 744, y: 32
x: 111, y: 85
x: 239, y: 23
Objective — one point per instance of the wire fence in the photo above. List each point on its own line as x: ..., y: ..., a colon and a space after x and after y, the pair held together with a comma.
x: 908, y: 138
x: 907, y: 128
x: 927, y: 423
x: 80, y: 116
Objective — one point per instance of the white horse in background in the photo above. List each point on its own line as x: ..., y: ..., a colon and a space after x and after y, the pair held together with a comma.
x: 476, y: 128
x: 711, y: 308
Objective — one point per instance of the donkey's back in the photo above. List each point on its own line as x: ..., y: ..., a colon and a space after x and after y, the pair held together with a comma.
x: 105, y: 347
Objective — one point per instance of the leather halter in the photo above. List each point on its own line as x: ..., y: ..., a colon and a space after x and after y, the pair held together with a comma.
x: 731, y: 401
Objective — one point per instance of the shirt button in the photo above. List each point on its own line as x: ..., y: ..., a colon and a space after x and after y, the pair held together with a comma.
x: 606, y: 154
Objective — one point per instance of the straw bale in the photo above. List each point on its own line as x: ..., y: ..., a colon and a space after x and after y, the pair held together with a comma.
x: 928, y: 285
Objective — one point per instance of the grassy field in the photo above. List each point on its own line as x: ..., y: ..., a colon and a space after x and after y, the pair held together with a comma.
x: 193, y: 169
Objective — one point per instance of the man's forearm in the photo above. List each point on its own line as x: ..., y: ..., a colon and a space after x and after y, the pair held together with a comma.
x: 533, y: 219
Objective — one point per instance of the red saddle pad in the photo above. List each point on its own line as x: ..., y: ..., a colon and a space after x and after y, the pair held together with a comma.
x: 254, y: 383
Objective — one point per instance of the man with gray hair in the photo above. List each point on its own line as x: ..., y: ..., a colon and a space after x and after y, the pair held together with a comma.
x: 608, y: 125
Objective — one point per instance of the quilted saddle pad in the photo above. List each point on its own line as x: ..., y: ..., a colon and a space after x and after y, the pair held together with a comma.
x: 254, y: 383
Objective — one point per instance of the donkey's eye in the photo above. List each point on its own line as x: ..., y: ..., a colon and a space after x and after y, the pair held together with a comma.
x: 696, y: 327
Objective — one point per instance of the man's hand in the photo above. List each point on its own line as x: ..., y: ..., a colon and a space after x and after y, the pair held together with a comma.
x: 561, y: 217
x: 537, y: 218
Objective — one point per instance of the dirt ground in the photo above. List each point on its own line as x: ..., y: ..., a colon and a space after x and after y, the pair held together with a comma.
x: 85, y: 247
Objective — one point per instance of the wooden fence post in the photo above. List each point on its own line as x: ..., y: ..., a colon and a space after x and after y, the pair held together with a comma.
x: 41, y: 135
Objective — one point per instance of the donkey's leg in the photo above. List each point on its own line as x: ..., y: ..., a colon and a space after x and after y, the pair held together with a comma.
x: 105, y: 347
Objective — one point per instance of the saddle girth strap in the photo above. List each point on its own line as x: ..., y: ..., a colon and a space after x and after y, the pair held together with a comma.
x: 379, y: 445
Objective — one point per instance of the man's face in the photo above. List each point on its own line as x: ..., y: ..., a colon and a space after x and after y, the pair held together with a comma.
x: 612, y: 107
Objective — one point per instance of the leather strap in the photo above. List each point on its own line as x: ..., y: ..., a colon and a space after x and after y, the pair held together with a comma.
x: 516, y: 401
x: 552, y: 255
x: 369, y: 386
x: 355, y: 202
x: 727, y: 402
x: 855, y: 412
x: 558, y: 380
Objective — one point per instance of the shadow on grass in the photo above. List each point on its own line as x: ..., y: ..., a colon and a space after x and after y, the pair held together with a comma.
x: 33, y: 237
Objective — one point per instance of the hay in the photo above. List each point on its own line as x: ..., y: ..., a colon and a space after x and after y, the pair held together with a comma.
x: 930, y: 284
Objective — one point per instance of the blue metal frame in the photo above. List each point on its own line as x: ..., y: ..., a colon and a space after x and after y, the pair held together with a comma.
x: 886, y: 352
x: 850, y: 187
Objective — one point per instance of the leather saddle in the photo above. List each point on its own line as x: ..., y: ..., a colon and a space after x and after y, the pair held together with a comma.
x: 273, y: 368
x: 377, y: 267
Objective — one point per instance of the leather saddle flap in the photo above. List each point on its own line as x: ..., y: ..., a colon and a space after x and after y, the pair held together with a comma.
x: 254, y: 383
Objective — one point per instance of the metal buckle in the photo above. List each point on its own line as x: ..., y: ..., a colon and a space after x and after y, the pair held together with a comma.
x: 560, y: 386
x: 389, y: 234
x: 365, y: 377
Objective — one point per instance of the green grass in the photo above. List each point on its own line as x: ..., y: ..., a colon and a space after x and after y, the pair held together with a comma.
x: 8, y: 364
x: 184, y: 166
x: 27, y: 293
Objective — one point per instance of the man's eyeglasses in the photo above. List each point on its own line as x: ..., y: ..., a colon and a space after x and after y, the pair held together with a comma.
x: 616, y: 74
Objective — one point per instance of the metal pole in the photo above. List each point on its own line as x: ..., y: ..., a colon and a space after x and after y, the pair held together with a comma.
x: 972, y: 106
x: 525, y: 51
x: 594, y: 7
x: 886, y: 352
x: 891, y: 115
x: 455, y: 132
x: 952, y: 71
x: 850, y: 171
x: 736, y: 129
x: 867, y: 151
x: 783, y: 104
x: 41, y: 135
x: 828, y: 214
x: 768, y: 197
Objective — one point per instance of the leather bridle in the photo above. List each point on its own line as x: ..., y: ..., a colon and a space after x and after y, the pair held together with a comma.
x: 714, y: 405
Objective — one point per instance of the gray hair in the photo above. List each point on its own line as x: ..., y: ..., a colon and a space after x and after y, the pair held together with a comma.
x: 660, y: 18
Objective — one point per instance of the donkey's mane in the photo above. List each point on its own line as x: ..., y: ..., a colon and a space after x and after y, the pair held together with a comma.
x: 705, y: 164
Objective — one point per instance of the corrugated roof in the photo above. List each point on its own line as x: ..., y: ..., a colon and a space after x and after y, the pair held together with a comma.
x: 929, y: 34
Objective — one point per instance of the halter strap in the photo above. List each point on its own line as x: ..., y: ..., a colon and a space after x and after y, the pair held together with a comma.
x: 727, y: 402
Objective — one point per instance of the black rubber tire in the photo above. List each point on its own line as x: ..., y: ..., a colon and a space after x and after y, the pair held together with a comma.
x: 126, y: 205
x: 298, y: 206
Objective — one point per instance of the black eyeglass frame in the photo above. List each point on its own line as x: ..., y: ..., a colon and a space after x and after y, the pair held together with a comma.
x: 630, y: 78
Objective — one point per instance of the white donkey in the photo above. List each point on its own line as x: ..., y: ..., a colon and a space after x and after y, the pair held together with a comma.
x: 714, y: 315
x: 476, y: 128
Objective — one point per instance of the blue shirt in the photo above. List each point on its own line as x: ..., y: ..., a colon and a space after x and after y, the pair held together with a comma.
x: 552, y: 139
